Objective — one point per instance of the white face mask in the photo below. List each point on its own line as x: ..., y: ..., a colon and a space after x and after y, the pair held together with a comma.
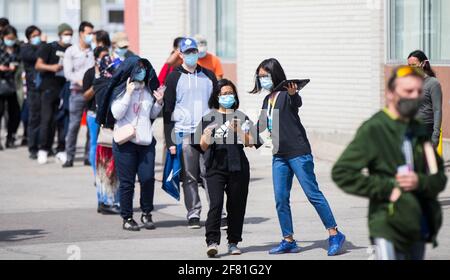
x: 66, y: 39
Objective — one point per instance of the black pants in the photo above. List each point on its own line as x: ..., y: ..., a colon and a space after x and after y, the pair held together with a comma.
x: 131, y: 159
x: 11, y: 104
x: 235, y: 185
x: 34, y: 120
x: 49, y: 106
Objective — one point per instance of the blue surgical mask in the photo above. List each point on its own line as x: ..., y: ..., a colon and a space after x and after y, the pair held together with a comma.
x: 35, y: 40
x: 93, y: 45
x: 121, y: 52
x: 140, y: 76
x: 191, y: 59
x: 266, y: 83
x: 88, y: 39
x: 227, y: 101
x: 9, y: 43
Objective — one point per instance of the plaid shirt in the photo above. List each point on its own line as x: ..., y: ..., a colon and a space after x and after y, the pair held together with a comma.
x: 6, y: 59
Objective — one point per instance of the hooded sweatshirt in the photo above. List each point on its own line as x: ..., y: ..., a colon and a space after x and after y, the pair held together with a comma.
x: 186, y: 101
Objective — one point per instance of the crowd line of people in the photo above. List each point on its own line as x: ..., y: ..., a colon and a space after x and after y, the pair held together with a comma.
x: 206, y: 134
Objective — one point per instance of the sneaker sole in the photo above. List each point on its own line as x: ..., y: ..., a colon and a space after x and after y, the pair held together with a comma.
x: 212, y: 253
x: 194, y: 227
x: 235, y: 253
x: 294, y: 251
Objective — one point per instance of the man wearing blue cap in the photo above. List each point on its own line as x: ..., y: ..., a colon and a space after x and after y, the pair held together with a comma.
x: 189, y: 88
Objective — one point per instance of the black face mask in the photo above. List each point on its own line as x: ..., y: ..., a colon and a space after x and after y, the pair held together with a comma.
x: 408, y: 108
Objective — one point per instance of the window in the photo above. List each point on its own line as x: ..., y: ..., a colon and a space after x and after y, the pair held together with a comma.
x: 226, y: 28
x: 419, y: 24
x: 216, y: 20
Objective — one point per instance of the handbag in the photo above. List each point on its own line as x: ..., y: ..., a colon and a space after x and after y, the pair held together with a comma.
x: 127, y: 132
x: 105, y: 137
x: 7, y: 88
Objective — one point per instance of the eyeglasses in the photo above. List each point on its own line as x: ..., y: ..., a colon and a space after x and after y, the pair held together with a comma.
x: 404, y: 71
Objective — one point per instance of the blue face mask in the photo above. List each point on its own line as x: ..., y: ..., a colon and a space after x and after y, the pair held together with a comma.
x: 93, y: 45
x: 266, y: 83
x: 9, y: 43
x: 140, y: 76
x: 88, y: 39
x: 121, y: 52
x: 191, y: 59
x: 227, y: 101
x: 35, y: 40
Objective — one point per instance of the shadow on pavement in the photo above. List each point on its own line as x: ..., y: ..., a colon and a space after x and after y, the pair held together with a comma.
x: 21, y: 235
x: 317, y: 244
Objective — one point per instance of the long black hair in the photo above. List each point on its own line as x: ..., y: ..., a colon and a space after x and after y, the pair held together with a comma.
x: 214, y: 99
x: 273, y: 67
x: 422, y: 57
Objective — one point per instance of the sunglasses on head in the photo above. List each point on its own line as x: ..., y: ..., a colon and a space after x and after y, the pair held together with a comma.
x: 404, y: 71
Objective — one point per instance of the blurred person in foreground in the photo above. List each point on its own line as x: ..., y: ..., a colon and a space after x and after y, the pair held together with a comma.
x: 405, y: 174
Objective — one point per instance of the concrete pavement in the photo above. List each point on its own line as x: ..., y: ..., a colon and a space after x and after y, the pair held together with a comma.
x: 50, y: 213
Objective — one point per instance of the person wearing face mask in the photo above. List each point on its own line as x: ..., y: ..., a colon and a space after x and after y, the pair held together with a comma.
x: 77, y: 60
x: 189, y: 89
x: 50, y: 81
x: 207, y: 59
x: 430, y: 111
x: 120, y: 46
x: 292, y: 155
x: 405, y: 174
x: 137, y: 106
x: 222, y: 135
x: 29, y: 56
x: 9, y: 62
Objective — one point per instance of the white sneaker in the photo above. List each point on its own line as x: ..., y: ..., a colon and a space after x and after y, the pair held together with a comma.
x: 61, y: 157
x: 212, y: 250
x: 42, y: 157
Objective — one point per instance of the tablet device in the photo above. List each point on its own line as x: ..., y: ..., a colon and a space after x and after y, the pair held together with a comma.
x: 300, y: 83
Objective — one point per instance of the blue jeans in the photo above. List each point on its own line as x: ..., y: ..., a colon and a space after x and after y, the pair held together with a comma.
x: 93, y: 132
x: 132, y: 159
x: 283, y: 171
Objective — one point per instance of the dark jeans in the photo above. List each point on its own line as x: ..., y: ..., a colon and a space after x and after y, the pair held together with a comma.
x: 49, y: 107
x: 235, y: 185
x: 11, y: 104
x: 132, y: 159
x: 34, y: 120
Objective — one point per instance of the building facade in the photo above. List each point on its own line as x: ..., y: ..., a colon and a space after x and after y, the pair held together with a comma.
x: 346, y: 48
x: 48, y: 14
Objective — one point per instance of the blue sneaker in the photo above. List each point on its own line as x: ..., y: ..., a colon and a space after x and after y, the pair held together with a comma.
x: 335, y: 244
x: 285, y: 247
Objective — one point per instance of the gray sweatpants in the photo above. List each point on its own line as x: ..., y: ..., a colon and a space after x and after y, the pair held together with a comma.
x: 76, y: 108
x: 193, y: 165
x: 385, y: 251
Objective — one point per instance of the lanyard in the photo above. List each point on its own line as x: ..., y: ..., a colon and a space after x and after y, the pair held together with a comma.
x: 270, y: 109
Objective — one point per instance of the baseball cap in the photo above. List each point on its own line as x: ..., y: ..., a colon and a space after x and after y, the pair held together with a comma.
x: 120, y: 39
x: 188, y: 44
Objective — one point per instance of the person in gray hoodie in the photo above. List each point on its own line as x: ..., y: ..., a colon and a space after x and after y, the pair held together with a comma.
x: 189, y: 89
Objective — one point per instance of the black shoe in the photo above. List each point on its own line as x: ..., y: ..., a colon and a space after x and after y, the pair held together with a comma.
x: 68, y: 164
x: 109, y: 210
x: 51, y: 153
x: 87, y: 162
x: 146, y: 219
x: 24, y: 142
x: 33, y: 156
x: 224, y: 224
x: 99, y: 208
x: 194, y: 223
x: 130, y: 225
x: 10, y: 143
x: 1, y: 147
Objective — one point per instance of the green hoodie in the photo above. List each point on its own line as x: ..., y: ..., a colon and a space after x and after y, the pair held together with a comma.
x: 377, y: 148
